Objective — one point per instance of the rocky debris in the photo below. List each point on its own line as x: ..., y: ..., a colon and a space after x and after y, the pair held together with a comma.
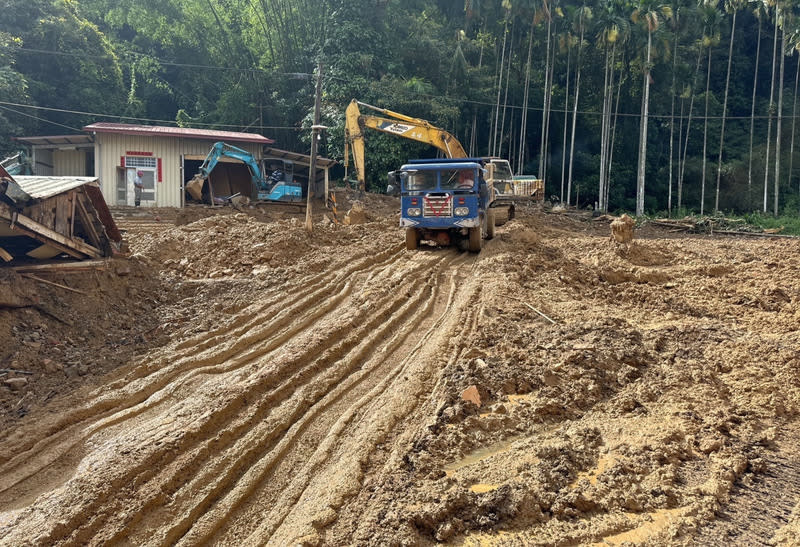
x: 16, y: 291
x: 669, y: 373
x: 471, y: 395
x: 15, y: 384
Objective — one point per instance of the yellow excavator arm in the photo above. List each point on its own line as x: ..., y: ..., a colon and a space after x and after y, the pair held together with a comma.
x: 396, y: 124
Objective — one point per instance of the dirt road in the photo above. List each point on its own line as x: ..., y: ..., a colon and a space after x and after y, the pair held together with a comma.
x: 266, y: 387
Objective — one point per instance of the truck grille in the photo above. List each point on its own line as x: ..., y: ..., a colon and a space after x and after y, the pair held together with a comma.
x: 437, y: 205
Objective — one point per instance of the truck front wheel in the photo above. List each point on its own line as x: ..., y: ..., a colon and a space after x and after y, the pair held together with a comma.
x: 412, y: 239
x: 475, y: 239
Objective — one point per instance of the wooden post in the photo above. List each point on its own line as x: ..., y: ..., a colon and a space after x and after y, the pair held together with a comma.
x: 312, y: 168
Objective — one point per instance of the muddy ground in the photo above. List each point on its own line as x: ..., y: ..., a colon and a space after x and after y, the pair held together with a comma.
x: 239, y: 382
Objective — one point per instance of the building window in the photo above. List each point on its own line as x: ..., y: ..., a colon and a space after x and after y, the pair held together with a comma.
x: 140, y: 162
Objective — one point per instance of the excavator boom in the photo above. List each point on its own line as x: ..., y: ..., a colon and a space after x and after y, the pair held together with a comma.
x: 396, y: 124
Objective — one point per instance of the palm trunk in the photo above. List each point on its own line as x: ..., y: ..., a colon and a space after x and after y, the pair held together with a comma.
x: 688, y: 129
x: 752, y: 120
x: 473, y: 139
x: 493, y: 140
x: 505, y: 96
x: 575, y: 112
x: 705, y: 136
x: 611, y: 144
x: 609, y: 140
x: 724, y: 112
x: 679, y: 182
x: 794, y: 114
x: 771, y: 103
x: 566, y: 120
x: 603, y: 135
x: 543, y: 140
x: 572, y: 138
x: 672, y: 125
x: 524, y: 120
x: 643, y: 132
x: 780, y: 122
x: 549, y: 109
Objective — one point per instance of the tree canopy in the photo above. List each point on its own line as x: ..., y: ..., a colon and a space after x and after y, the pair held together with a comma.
x: 617, y: 103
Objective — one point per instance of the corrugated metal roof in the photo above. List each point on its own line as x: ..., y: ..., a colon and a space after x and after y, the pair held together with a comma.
x: 45, y: 187
x: 185, y: 132
x: 57, y: 140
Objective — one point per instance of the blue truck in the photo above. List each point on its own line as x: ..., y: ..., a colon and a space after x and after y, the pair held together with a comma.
x: 449, y: 201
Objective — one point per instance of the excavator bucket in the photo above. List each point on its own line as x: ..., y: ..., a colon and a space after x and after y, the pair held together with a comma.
x: 195, y: 186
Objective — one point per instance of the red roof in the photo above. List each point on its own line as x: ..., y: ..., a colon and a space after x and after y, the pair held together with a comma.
x: 184, y: 132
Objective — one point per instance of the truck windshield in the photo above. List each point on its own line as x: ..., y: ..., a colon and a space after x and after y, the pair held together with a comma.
x: 454, y: 179
x: 421, y: 180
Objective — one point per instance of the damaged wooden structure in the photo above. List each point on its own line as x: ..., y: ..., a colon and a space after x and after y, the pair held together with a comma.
x: 47, y: 217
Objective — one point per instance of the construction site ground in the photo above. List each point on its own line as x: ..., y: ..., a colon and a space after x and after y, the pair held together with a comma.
x: 237, y: 381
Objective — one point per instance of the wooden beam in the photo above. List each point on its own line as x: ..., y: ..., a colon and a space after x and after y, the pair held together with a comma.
x: 73, y: 247
x: 46, y: 282
x: 5, y: 255
x: 72, y: 198
x: 86, y: 220
x: 63, y: 267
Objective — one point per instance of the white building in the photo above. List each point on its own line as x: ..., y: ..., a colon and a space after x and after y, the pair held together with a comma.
x: 113, y: 152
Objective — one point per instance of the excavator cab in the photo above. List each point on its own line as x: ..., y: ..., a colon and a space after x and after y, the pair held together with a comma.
x: 280, y: 183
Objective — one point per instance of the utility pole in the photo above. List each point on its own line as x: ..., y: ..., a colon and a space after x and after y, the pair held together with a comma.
x: 312, y: 168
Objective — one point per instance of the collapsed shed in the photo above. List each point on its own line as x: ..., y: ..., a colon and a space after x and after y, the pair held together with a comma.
x: 46, y: 217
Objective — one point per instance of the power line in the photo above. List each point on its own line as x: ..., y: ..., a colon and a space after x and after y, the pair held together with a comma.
x: 297, y: 75
x: 304, y: 75
x: 96, y: 114
x: 37, y: 118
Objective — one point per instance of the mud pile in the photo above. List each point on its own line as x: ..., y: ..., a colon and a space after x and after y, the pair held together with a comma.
x: 334, y: 388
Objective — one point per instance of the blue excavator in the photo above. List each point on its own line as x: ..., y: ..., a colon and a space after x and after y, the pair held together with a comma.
x: 279, y: 185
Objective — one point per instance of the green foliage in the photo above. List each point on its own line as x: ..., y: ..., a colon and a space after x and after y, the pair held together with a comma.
x: 250, y: 65
x: 13, y: 89
x: 787, y: 224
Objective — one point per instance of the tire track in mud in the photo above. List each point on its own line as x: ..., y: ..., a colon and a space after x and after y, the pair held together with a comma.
x: 267, y: 470
x: 337, y: 469
x: 373, y: 467
x: 127, y: 396
x: 251, y: 437
x: 136, y: 474
x: 757, y: 509
x: 54, y: 450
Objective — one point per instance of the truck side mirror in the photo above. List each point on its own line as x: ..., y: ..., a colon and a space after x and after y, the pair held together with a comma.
x: 393, y: 183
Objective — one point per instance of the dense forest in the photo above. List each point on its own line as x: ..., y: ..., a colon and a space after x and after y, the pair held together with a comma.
x: 638, y: 105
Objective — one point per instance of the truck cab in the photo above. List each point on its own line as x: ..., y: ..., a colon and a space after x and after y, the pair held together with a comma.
x: 446, y: 201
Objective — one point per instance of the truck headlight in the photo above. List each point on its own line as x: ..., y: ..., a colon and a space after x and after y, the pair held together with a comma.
x: 461, y: 211
x: 413, y: 211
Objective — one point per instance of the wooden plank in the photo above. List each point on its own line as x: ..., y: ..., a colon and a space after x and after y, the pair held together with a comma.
x: 95, y: 196
x: 46, y: 282
x: 72, y: 198
x: 87, y: 223
x: 5, y: 255
x: 44, y: 251
x: 62, y: 215
x: 38, y: 237
x: 63, y: 267
x: 43, y: 213
x: 25, y: 225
